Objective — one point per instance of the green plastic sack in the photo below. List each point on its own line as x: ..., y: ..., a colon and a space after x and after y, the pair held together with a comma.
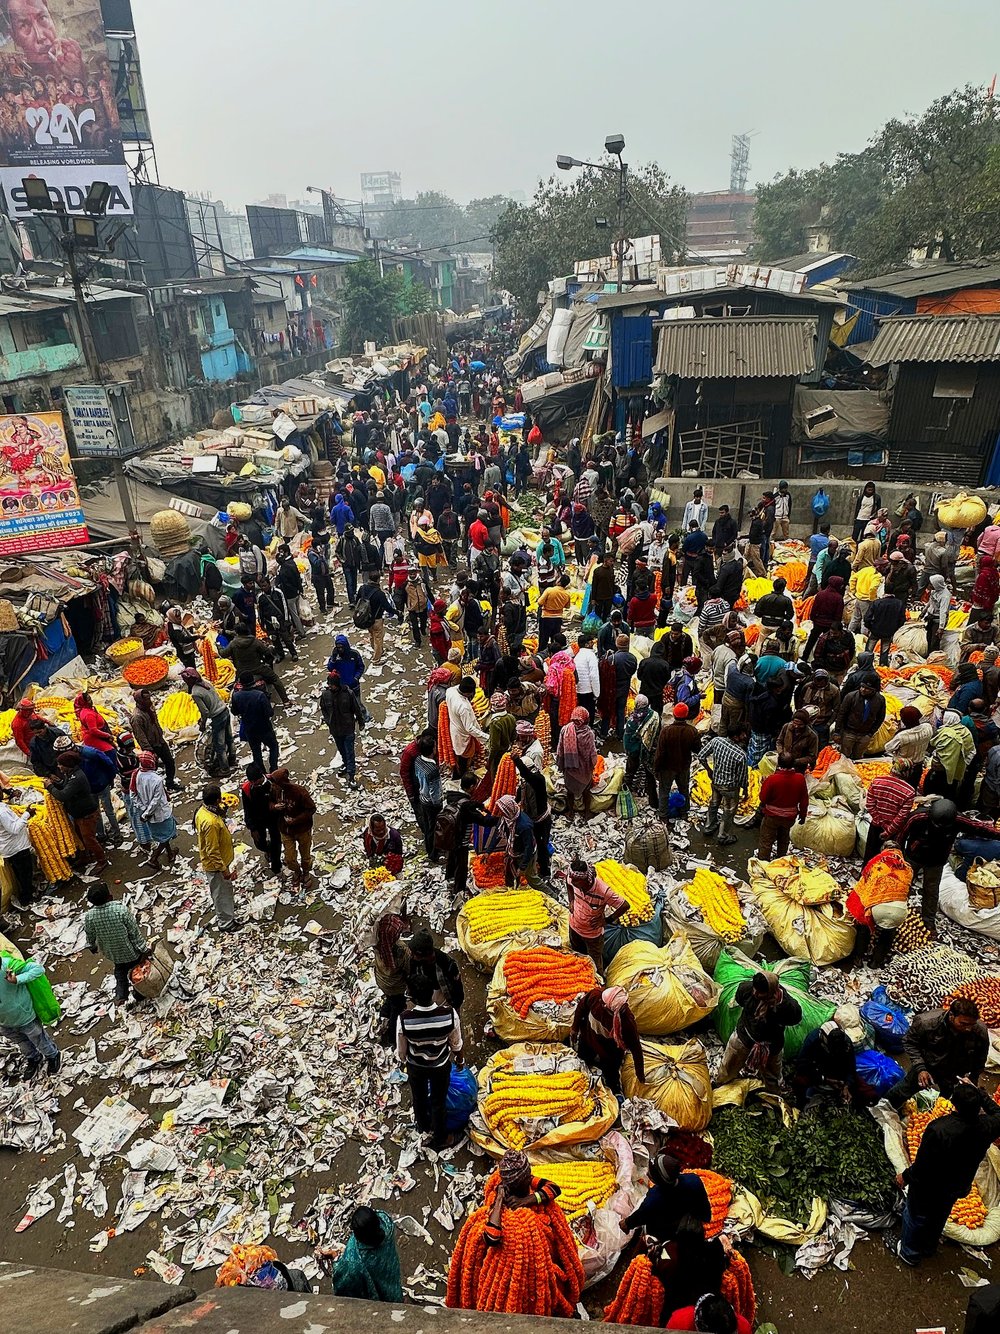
x: 43, y: 998
x: 626, y: 808
x: 795, y: 974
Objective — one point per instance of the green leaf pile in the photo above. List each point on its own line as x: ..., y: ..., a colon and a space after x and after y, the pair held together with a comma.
x: 833, y: 1153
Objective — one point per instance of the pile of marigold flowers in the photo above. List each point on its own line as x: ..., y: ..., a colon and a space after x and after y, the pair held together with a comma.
x: 986, y: 994
x: 515, y: 1098
x: 545, y: 974
x: 719, y: 904
x: 493, y: 916
x: 582, y: 1183
x: 147, y: 671
x: 629, y: 885
x: 375, y: 876
x: 489, y: 870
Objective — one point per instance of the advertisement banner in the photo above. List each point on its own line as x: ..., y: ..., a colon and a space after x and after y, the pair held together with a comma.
x: 39, y: 502
x: 98, y: 432
x: 58, y: 114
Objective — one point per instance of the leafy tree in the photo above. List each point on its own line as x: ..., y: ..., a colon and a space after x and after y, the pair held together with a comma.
x: 482, y: 215
x: 928, y: 184
x: 416, y: 299
x: 371, y: 301
x: 541, y: 240
x: 431, y: 219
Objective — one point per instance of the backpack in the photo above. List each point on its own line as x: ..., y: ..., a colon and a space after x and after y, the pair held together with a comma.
x: 43, y: 998
x: 446, y: 829
x: 364, y: 613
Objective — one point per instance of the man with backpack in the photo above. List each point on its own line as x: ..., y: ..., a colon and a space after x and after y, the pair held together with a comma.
x: 275, y: 617
x: 371, y: 606
x: 20, y: 1022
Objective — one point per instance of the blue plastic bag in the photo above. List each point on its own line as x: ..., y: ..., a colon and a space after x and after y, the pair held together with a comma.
x: 820, y: 503
x: 463, y: 1092
x: 878, y: 1070
x: 888, y: 1022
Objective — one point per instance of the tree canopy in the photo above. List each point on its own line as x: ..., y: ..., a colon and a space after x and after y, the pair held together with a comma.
x: 928, y: 184
x: 373, y: 300
x: 541, y: 240
x: 435, y: 219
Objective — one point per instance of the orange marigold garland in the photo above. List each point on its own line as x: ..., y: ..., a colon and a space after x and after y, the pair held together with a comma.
x: 738, y: 1289
x: 209, y: 661
x: 640, y: 1296
x: 536, y: 1269
x: 543, y: 731
x: 567, y: 695
x: 719, y: 1190
x: 545, y: 974
x: 446, y: 751
x: 504, y: 784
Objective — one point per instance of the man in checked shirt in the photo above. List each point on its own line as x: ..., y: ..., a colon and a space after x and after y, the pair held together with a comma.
x: 888, y: 802
x: 111, y: 928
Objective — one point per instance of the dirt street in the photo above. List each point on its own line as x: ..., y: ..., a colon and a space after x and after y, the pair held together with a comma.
x: 877, y: 1294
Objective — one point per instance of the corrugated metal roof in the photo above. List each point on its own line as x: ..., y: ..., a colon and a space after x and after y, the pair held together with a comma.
x: 930, y: 279
x: 936, y: 338
x: 14, y: 303
x: 739, y: 349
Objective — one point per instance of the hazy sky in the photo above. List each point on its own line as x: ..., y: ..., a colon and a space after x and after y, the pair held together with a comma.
x: 248, y: 97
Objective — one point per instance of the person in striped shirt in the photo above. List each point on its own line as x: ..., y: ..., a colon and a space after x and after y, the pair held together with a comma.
x: 888, y: 802
x: 427, y: 1037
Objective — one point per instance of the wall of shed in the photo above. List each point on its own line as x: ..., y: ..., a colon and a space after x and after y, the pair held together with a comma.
x: 701, y: 403
x: 942, y: 438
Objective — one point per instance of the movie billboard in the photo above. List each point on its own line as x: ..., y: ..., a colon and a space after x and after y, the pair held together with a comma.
x: 39, y: 501
x: 58, y: 113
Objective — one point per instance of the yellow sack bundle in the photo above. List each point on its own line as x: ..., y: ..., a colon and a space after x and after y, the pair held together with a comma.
x: 667, y: 988
x: 489, y: 923
x: 677, y: 1082
x: 804, y: 909
x: 830, y: 829
x: 537, y: 1095
x: 756, y: 588
x: 961, y: 511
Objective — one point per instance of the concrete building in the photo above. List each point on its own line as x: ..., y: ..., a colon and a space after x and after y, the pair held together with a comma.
x: 381, y: 189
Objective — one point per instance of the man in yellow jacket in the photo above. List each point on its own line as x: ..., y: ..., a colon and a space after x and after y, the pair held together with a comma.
x: 215, y: 852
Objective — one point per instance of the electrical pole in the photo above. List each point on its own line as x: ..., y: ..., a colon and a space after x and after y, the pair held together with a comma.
x: 93, y: 360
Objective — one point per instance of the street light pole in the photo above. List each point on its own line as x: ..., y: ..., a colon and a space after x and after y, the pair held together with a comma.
x: 614, y: 145
x: 620, y: 219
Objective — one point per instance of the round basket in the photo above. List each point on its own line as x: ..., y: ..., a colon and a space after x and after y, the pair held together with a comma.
x: 124, y: 651
x: 148, y: 672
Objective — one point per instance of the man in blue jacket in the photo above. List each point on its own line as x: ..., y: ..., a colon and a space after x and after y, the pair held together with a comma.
x: 19, y: 1023
x: 251, y: 704
x: 349, y: 665
x: 100, y: 771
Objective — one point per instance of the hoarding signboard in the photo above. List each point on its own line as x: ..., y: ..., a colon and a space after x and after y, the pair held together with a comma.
x: 99, y: 418
x: 58, y: 115
x: 39, y: 501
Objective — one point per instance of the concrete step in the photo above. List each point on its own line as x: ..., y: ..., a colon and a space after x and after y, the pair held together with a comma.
x: 56, y: 1301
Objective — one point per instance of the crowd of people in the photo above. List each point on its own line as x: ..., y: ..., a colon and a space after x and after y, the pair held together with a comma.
x: 614, y: 637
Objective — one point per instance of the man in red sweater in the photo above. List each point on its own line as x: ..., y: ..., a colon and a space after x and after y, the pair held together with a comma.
x: 783, y: 795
